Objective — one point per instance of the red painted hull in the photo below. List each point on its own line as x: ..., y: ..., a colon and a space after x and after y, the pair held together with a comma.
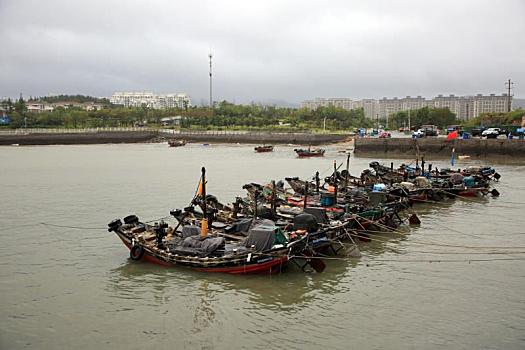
x: 273, y: 266
x: 263, y: 149
x: 309, y: 155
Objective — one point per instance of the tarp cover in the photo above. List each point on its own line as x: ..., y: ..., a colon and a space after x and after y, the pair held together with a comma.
x: 240, y: 226
x: 319, y: 213
x: 456, y: 178
x: 203, y: 247
x: 306, y: 222
x: 262, y: 236
x: 190, y: 230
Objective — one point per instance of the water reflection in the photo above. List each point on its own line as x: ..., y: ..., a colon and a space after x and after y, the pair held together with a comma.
x: 134, y: 280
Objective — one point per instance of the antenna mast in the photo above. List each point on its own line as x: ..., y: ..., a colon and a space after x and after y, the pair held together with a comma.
x: 509, y: 84
x: 211, y: 96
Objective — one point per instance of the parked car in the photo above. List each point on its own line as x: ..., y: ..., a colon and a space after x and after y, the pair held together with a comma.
x: 419, y: 133
x: 477, y: 131
x: 384, y: 135
x: 430, y: 130
x: 492, y: 133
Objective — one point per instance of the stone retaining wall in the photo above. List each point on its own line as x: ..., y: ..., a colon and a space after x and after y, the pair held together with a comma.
x: 440, y: 146
x: 77, y: 138
x: 261, y: 137
x: 99, y: 137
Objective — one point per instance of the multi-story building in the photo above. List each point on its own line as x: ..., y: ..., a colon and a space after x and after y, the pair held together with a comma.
x: 492, y: 103
x: 370, y: 107
x: 37, y: 107
x: 150, y: 100
x: 345, y: 103
x: 465, y: 107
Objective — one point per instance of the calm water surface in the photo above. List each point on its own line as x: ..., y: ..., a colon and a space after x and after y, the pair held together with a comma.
x: 66, y: 288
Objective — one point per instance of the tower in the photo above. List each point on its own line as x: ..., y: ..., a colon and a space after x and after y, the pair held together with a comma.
x: 210, y: 56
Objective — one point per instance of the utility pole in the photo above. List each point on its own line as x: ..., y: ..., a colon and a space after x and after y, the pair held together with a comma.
x: 211, y: 96
x: 509, y: 84
x: 377, y: 121
x: 409, y: 129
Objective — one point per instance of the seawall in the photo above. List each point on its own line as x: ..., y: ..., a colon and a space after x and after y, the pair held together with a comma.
x: 260, y: 137
x: 440, y: 147
x: 78, y: 138
x: 136, y: 135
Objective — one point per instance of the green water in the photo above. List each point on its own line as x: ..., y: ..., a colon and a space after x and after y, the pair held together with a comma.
x: 66, y: 288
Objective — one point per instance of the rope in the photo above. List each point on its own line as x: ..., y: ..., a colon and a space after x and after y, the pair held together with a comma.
x: 430, y: 243
x: 412, y: 260
x: 72, y: 227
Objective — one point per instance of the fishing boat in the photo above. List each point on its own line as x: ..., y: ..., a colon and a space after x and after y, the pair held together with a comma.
x: 258, y: 247
x: 176, y: 143
x: 309, y: 152
x: 259, y: 252
x: 263, y: 149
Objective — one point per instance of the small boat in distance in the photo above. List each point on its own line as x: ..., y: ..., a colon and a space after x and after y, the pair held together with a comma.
x: 176, y: 143
x: 310, y: 152
x: 262, y: 149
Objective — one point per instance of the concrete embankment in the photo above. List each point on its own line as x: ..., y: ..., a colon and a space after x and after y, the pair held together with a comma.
x: 260, y: 137
x: 94, y: 136
x: 78, y: 138
x: 439, y: 147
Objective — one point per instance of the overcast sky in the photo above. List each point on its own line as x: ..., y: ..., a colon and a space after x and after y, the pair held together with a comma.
x: 263, y: 50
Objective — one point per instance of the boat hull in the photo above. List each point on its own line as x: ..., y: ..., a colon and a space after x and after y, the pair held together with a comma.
x: 256, y: 264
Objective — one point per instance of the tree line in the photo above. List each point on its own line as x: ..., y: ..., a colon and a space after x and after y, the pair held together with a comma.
x: 441, y: 117
x: 495, y: 119
x: 223, y: 116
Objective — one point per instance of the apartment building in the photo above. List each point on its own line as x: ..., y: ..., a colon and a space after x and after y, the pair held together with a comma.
x: 151, y: 100
x: 465, y: 107
x: 345, y: 103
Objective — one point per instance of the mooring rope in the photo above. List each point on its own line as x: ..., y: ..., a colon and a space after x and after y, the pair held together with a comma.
x: 367, y: 262
x: 380, y: 238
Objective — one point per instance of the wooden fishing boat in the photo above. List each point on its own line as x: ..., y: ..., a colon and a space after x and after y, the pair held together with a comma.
x: 262, y: 247
x: 306, y: 153
x: 160, y: 244
x: 176, y: 143
x: 263, y: 149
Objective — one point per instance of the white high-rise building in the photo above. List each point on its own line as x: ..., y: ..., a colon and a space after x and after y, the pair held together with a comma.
x: 150, y: 100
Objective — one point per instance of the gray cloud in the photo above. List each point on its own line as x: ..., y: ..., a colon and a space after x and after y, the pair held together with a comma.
x: 262, y: 49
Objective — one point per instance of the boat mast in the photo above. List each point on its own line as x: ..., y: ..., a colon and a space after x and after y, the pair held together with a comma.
x: 204, y: 222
